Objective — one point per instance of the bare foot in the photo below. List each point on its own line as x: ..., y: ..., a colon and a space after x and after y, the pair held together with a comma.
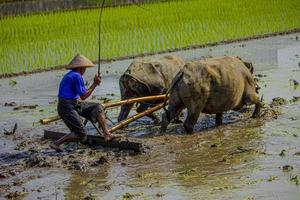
x: 111, y: 137
x: 55, y: 147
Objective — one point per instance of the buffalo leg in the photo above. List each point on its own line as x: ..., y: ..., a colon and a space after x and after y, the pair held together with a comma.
x: 254, y: 99
x: 219, y: 119
x: 126, y: 93
x: 166, y: 118
x: 125, y: 109
x: 256, y: 110
x: 172, y: 112
x: 192, y: 117
x: 176, y: 118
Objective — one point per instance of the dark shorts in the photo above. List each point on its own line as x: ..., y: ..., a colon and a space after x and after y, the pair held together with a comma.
x: 70, y: 112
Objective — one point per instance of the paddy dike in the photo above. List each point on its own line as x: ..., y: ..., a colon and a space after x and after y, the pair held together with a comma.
x: 244, y: 158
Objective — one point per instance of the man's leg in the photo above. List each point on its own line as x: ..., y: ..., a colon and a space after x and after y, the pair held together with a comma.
x: 95, y: 113
x: 74, y: 123
x: 67, y: 138
x: 103, y: 125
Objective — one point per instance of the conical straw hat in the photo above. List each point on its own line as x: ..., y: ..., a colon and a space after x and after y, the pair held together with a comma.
x: 80, y: 61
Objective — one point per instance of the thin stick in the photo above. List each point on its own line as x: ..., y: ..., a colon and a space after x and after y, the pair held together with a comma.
x: 99, y: 42
x: 98, y: 130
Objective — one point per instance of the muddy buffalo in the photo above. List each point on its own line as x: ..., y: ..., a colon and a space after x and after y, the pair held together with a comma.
x: 146, y: 78
x: 211, y: 86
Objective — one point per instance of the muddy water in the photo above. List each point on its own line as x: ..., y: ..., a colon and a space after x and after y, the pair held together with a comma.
x: 243, y: 159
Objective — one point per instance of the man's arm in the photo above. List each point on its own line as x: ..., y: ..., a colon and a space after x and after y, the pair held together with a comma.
x: 97, y: 81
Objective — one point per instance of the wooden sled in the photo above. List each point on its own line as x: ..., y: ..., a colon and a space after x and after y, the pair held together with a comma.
x: 137, y: 147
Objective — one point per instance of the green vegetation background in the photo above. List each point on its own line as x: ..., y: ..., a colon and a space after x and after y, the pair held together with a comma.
x: 39, y: 41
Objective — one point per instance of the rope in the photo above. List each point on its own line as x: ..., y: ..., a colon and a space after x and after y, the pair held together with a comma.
x: 111, y: 121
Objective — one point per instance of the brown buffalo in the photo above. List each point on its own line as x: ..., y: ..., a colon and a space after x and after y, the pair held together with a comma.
x: 146, y: 78
x: 211, y: 86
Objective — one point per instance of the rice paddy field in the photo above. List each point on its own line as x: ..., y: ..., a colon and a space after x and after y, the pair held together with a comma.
x: 45, y: 40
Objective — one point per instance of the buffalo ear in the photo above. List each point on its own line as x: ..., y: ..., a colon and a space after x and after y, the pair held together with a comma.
x: 249, y: 66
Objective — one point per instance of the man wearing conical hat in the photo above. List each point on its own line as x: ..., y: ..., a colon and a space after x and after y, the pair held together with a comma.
x: 71, y: 105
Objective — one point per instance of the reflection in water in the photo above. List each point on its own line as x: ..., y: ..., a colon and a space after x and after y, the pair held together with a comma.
x: 179, y: 167
x: 83, y: 184
x: 213, y: 160
x: 268, y: 181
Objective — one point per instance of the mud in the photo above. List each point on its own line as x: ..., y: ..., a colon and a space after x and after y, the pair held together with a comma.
x: 278, y: 101
x: 243, y: 159
x: 25, y: 107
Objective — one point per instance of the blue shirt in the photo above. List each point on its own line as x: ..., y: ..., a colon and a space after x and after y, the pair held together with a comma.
x: 71, y: 86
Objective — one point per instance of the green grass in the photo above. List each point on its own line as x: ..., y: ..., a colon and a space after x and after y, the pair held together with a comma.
x: 46, y: 40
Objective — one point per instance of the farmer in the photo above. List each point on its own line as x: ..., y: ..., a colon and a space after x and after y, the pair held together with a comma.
x: 71, y: 104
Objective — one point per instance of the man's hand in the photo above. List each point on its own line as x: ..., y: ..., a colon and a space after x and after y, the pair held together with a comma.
x: 97, y: 79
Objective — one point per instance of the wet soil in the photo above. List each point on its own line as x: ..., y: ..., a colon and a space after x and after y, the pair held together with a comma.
x: 243, y: 159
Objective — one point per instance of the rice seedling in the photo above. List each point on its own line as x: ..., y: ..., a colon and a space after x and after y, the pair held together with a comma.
x: 40, y: 41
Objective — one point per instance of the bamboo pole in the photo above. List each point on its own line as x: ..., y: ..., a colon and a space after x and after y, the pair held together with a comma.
x: 134, y: 100
x: 112, y: 104
x: 50, y: 119
x: 135, y: 117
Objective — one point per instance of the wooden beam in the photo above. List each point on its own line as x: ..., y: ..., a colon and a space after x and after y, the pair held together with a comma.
x: 50, y: 119
x: 99, y: 140
x: 113, y: 104
x: 134, y: 100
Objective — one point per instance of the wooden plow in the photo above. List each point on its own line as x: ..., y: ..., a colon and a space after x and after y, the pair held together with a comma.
x: 135, y: 146
x: 114, y: 104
